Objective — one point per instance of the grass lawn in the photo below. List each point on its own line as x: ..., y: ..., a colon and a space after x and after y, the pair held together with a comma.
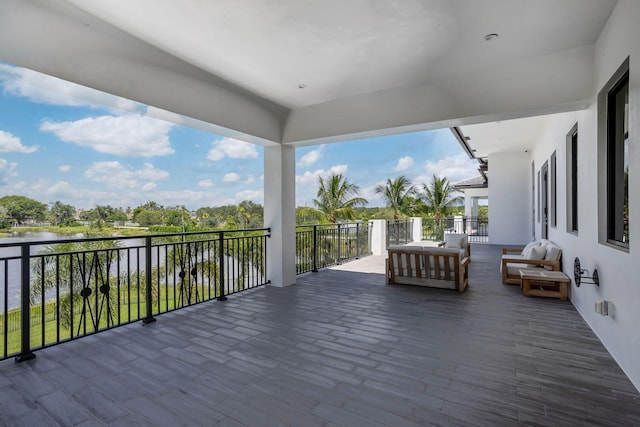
x: 129, y: 310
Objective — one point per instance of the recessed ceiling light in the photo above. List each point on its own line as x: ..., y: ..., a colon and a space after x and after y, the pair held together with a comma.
x: 490, y: 37
x: 302, y: 86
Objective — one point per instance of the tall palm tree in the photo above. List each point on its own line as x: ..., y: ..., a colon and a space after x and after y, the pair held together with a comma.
x: 399, y: 195
x: 337, y: 197
x: 439, y: 196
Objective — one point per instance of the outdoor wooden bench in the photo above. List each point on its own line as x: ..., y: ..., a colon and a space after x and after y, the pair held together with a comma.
x: 427, y: 266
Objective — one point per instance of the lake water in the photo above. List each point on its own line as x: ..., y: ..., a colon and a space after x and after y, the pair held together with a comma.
x: 10, y: 263
x: 10, y: 289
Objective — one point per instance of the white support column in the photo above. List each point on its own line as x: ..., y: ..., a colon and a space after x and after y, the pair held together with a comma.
x: 280, y: 214
x: 474, y: 214
x: 474, y: 207
x: 416, y: 232
x: 468, y: 205
x: 379, y: 237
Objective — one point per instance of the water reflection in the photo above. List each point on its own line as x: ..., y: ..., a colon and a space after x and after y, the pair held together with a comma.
x: 11, y: 286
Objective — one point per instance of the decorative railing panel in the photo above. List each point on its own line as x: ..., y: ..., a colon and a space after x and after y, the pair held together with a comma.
x: 399, y: 232
x: 55, y: 291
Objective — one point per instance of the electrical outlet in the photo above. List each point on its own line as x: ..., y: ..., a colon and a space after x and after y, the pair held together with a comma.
x: 602, y: 307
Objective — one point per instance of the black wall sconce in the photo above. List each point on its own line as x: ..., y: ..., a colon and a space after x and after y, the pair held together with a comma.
x: 581, y: 275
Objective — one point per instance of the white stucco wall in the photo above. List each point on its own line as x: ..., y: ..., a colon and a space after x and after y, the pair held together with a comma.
x: 618, y: 269
x: 510, y: 205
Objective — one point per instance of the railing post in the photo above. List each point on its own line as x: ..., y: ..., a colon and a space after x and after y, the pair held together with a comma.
x: 222, y: 296
x: 357, y: 240
x: 148, y: 295
x: 339, y: 244
x: 25, y: 309
x: 315, y: 249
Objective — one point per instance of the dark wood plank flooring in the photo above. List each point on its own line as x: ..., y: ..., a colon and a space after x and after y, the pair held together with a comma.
x: 339, y: 348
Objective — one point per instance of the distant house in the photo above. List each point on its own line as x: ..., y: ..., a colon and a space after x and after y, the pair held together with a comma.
x: 474, y: 189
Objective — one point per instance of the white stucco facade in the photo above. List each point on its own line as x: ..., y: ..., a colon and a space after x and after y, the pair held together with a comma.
x: 510, y: 199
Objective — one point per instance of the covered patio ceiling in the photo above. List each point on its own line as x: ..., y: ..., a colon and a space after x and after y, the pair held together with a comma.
x: 309, y: 72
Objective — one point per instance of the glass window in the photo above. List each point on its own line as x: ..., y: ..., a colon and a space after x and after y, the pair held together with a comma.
x: 572, y: 180
x: 533, y: 199
x: 539, y: 196
x: 553, y: 207
x: 618, y: 162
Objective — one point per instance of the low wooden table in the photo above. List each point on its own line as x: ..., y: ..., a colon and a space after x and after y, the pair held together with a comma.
x: 544, y: 283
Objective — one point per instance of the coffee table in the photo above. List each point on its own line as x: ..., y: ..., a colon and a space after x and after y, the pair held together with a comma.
x: 544, y: 283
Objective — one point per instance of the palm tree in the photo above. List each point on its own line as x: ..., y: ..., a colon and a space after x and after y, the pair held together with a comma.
x: 399, y: 195
x: 337, y: 197
x: 61, y: 213
x: 439, y: 197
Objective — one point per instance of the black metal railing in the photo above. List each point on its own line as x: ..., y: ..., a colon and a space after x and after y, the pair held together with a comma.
x: 477, y: 228
x: 323, y: 245
x: 56, y: 291
x: 399, y: 231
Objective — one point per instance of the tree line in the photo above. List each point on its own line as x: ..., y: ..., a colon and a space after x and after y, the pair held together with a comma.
x: 337, y: 199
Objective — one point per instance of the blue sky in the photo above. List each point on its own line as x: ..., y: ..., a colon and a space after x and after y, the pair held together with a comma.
x: 61, y: 141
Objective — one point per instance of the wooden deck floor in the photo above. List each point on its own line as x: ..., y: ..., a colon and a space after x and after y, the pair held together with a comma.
x: 339, y: 348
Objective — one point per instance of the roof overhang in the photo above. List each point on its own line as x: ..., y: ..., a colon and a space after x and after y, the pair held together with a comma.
x: 307, y: 73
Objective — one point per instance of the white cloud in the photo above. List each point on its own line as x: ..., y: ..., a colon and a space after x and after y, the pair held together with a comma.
x: 256, y: 196
x: 149, y: 172
x: 149, y: 186
x: 130, y: 135
x: 12, y: 144
x: 311, y: 178
x: 369, y: 193
x: 43, y: 89
x: 64, y: 168
x: 250, y: 180
x: 61, y: 190
x: 404, y: 163
x: 310, y: 158
x: 229, y: 147
x: 206, y: 183
x: 231, y: 177
x: 117, y: 175
x: 7, y: 170
x: 455, y: 169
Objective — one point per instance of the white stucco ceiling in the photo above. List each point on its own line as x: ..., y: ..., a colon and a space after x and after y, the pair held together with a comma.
x: 368, y: 67
x: 504, y: 136
x: 343, y: 48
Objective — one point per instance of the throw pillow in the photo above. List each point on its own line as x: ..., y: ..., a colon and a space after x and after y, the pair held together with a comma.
x: 454, y: 240
x: 537, y: 253
x: 527, y: 248
x: 553, y: 253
